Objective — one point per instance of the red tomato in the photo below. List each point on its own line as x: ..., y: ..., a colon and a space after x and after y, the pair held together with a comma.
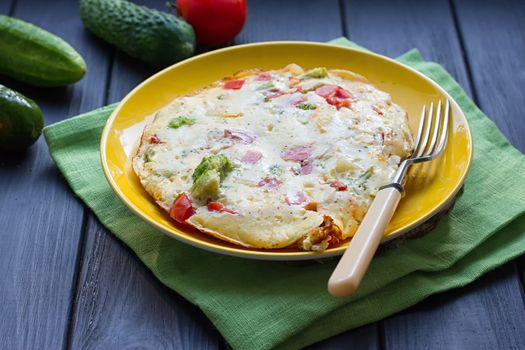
x: 182, y: 208
x: 335, y: 95
x: 219, y: 207
x: 338, y: 185
x: 215, y: 22
x: 234, y: 84
x: 215, y: 206
x: 154, y: 139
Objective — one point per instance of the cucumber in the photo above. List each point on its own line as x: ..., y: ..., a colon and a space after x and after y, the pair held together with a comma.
x: 155, y: 37
x: 21, y: 120
x: 34, y: 56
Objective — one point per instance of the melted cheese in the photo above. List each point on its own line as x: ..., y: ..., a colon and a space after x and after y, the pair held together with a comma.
x: 292, y: 145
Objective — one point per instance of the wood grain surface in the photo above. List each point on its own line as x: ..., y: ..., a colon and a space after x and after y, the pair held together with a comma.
x: 68, y: 283
x: 430, y: 27
x: 40, y: 220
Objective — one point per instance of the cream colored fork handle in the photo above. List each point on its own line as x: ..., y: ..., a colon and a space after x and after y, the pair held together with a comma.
x: 351, y: 268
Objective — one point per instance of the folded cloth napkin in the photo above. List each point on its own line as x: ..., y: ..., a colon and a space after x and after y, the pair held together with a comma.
x: 263, y: 304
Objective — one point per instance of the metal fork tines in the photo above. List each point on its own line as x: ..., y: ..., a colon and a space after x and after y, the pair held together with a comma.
x: 432, y: 126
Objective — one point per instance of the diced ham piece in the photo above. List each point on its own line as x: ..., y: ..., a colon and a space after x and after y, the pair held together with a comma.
x: 298, y: 154
x: 338, y: 185
x: 297, y: 100
x: 377, y: 110
x: 269, y: 182
x: 264, y: 77
x: 306, y: 169
x: 251, y: 157
x: 273, y: 93
x: 235, y: 84
x: 241, y: 135
x: 182, y: 208
x: 297, y: 198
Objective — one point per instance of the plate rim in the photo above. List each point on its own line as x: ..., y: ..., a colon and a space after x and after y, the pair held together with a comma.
x: 269, y: 254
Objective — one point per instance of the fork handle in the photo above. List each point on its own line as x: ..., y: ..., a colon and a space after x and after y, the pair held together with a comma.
x: 351, y: 268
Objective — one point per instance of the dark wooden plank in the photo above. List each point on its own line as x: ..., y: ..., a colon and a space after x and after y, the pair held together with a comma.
x: 122, y: 305
x: 313, y: 20
x: 493, y: 34
x: 393, y: 27
x: 144, y: 313
x: 474, y: 317
x: 6, y: 7
x: 362, y: 338
x: 40, y: 220
x: 398, y: 26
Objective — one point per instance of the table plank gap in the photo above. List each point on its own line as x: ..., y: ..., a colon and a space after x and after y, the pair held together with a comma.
x: 76, y: 281
x: 342, y: 11
x: 520, y: 264
x: 496, y: 60
x: 464, y: 53
x: 11, y: 7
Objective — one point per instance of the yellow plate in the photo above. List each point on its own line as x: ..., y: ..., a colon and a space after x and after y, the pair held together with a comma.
x: 427, y: 190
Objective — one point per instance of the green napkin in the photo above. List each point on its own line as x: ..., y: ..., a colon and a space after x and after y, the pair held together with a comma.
x: 262, y: 304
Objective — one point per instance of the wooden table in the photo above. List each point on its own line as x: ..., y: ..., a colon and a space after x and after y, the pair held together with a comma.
x: 66, y: 282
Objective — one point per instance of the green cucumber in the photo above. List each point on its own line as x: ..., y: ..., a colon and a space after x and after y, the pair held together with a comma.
x: 152, y: 36
x: 36, y: 57
x: 21, y: 120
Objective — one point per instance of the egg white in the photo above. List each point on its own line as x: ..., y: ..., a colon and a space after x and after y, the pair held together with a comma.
x: 359, y: 146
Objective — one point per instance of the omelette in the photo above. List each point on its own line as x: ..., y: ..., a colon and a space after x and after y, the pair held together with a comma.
x: 288, y: 158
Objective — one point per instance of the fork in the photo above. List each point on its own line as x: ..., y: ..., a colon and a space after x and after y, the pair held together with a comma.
x: 354, y: 263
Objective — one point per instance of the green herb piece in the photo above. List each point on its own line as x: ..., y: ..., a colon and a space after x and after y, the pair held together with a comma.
x: 306, y: 106
x: 221, y: 97
x: 364, y: 177
x: 148, y: 155
x: 180, y: 121
x: 276, y: 169
x: 164, y: 173
x: 266, y: 86
x: 317, y: 73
